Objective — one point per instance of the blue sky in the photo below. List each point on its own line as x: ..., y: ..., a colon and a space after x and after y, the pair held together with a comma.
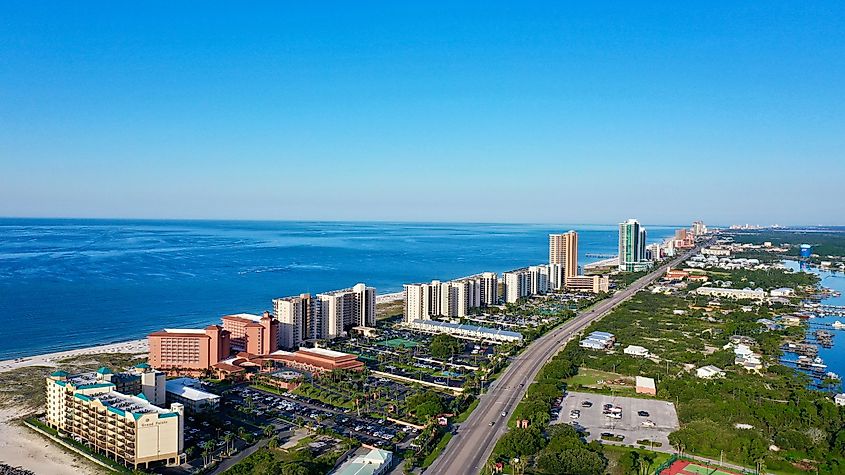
x: 487, y: 111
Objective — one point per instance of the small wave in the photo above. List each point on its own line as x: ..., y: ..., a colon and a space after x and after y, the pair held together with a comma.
x: 287, y: 268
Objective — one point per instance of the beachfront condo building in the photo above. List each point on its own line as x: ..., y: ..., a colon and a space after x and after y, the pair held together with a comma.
x: 126, y: 428
x: 297, y: 320
x: 188, y: 350
x: 563, y: 258
x: 588, y: 283
x: 538, y: 282
x: 341, y: 310
x: 632, y: 247
x: 450, y: 299
x: 517, y: 284
x: 525, y: 282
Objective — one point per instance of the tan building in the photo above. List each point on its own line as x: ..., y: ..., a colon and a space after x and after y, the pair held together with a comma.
x: 588, y: 283
x: 517, y: 284
x: 255, y: 334
x: 563, y: 258
x: 297, y: 322
x: 450, y: 299
x: 188, y: 350
x: 341, y: 310
x: 128, y: 429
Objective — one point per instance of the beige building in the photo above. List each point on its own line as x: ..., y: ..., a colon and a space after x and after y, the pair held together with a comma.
x: 450, y: 299
x: 341, y: 310
x: 128, y: 429
x: 588, y: 283
x: 563, y: 258
x: 297, y: 322
x: 517, y: 284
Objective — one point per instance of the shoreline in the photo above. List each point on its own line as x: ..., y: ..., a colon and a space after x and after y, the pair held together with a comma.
x: 51, y: 359
x: 138, y: 346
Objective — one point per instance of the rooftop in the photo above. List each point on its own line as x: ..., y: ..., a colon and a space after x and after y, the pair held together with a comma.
x: 245, y: 316
x: 189, y: 388
x: 126, y: 403
x: 325, y: 352
x: 645, y: 382
x: 470, y: 328
x: 198, y: 331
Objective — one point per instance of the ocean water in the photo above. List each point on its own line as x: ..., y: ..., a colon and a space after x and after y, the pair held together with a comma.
x: 72, y: 283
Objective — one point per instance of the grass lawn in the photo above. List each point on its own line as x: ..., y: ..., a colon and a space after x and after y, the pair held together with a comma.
x: 24, y: 387
x: 596, y: 378
x: 437, y: 449
x: 397, y: 342
x: 390, y: 309
x: 463, y: 416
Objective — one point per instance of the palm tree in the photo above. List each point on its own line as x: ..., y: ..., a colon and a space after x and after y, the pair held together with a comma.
x: 207, y: 449
x: 229, y: 438
x: 647, y: 462
x: 269, y: 430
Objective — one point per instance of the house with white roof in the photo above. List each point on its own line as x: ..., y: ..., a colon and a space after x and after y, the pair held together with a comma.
x: 709, y: 372
x: 635, y: 350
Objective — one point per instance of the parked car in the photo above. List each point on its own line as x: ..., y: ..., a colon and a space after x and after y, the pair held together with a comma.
x: 643, y: 413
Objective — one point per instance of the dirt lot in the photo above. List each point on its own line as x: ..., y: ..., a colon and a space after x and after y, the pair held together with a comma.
x: 661, y: 413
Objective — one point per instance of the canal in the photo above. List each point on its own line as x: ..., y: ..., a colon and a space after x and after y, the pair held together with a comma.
x: 833, y: 357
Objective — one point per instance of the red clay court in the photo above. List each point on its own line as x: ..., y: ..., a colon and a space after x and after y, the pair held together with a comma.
x: 682, y: 467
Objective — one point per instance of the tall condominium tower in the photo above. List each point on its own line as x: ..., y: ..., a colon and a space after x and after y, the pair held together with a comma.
x: 563, y: 258
x: 297, y: 321
x: 450, y: 299
x: 632, y: 246
x: 340, y: 310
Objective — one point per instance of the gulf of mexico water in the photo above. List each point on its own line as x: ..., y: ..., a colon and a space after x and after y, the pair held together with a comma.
x: 67, y: 284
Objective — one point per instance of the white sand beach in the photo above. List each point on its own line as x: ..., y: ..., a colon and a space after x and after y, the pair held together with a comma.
x: 386, y: 298
x: 21, y: 447
x: 51, y: 359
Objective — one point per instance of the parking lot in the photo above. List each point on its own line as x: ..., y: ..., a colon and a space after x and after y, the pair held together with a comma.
x: 292, y: 408
x: 632, y: 426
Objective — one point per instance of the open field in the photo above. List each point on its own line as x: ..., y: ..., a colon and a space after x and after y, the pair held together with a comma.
x: 597, y: 379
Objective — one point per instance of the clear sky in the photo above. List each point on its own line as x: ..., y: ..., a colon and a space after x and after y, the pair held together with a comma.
x: 540, y: 112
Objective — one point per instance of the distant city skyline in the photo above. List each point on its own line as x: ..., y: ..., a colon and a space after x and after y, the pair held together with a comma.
x: 494, y: 112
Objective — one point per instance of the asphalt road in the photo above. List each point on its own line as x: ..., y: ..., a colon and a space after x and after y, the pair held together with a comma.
x: 469, y: 450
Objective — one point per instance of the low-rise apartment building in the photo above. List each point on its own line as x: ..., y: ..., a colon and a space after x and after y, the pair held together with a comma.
x: 752, y: 294
x: 472, y: 332
x: 588, y: 283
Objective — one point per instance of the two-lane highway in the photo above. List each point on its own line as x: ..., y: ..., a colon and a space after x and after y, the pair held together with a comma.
x: 469, y: 450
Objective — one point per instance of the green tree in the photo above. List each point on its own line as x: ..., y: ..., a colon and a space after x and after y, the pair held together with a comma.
x: 445, y: 346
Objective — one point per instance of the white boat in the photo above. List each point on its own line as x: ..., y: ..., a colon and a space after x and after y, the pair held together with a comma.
x: 838, y: 325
